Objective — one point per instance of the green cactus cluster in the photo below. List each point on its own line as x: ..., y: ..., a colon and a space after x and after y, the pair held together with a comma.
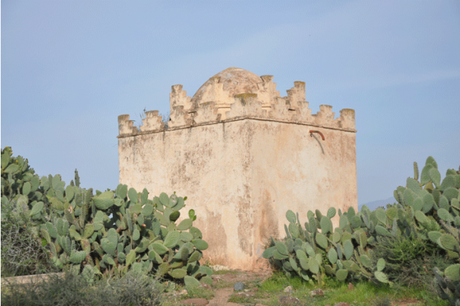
x: 430, y: 194
x: 317, y: 249
x: 447, y: 284
x: 114, y: 231
x: 15, y: 172
x: 434, y: 205
x: 427, y: 210
x: 20, y: 188
x: 108, y: 232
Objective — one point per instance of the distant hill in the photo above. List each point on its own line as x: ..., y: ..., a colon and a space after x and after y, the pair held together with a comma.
x: 375, y: 204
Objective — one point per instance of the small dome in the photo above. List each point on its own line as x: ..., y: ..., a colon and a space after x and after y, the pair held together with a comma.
x: 236, y: 81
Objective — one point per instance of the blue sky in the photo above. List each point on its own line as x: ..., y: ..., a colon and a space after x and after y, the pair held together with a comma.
x: 69, y: 68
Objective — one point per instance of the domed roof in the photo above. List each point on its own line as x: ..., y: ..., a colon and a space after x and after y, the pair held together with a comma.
x: 234, y: 80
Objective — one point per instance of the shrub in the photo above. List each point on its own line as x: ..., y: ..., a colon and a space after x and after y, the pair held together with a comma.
x: 22, y: 250
x: 71, y: 289
x: 22, y: 253
x: 409, y: 261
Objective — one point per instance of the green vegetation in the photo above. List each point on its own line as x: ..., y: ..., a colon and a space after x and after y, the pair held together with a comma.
x: 108, y: 233
x: 115, y: 246
x: 364, y: 293
x: 22, y: 253
x: 343, y: 253
x: 401, y: 245
x: 72, y: 289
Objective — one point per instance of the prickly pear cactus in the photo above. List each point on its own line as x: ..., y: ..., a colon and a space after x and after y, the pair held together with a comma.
x: 317, y: 249
x: 114, y: 231
x: 21, y: 189
x: 434, y: 205
x: 427, y: 209
x: 108, y: 232
x: 447, y: 284
x: 430, y: 194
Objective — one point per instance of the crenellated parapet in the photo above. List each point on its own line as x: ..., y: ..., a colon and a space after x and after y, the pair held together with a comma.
x: 325, y: 116
x: 126, y: 126
x: 236, y: 94
x: 347, y: 118
x: 267, y: 91
x: 180, y: 106
x: 246, y: 105
x: 178, y: 98
x: 152, y: 122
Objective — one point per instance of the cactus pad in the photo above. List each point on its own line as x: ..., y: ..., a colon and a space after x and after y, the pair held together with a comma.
x: 332, y: 255
x: 290, y: 215
x: 185, y: 225
x: 326, y: 225
x: 104, y: 201
x: 178, y: 273
x: 281, y: 247
x: 381, y: 277
x: 445, y: 215
x: 435, y: 176
x: 366, y: 261
x: 448, y: 242
x: 453, y: 272
x: 77, y: 257
x: 200, y: 244
x: 341, y: 274
x: 380, y: 264
x: 191, y: 282
x: 321, y: 240
x: 382, y: 231
x: 348, y: 249
x: 434, y: 236
x: 313, y: 265
x: 331, y: 212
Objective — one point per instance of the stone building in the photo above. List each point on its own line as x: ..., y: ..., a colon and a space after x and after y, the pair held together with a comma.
x: 243, y: 155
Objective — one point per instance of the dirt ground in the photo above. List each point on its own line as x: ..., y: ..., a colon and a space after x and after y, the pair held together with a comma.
x: 222, y: 287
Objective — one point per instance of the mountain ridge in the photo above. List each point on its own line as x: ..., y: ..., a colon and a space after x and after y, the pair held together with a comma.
x: 378, y: 203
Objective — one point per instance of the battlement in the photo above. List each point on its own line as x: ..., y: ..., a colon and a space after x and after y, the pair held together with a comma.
x: 237, y: 94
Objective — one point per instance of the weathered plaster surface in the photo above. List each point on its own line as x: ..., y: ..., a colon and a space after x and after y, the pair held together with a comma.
x: 243, y: 159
